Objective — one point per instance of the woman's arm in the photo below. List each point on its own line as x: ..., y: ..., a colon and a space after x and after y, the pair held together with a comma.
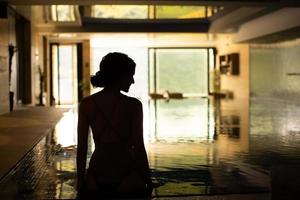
x: 82, y: 136
x: 138, y: 142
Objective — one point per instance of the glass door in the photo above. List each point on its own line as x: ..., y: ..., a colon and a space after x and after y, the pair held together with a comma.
x: 64, y: 74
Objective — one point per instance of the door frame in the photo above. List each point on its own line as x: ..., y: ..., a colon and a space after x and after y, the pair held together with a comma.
x: 79, y: 73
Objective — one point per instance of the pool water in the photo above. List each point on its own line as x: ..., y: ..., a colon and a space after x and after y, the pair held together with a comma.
x: 195, y: 147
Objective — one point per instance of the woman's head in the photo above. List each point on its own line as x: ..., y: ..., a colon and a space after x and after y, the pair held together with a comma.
x: 116, y: 69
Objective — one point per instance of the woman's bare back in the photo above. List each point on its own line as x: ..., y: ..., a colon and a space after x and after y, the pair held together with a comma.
x: 113, y: 117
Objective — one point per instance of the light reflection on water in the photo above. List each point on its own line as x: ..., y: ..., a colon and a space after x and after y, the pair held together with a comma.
x: 179, y: 120
x: 200, y: 146
x: 217, y: 147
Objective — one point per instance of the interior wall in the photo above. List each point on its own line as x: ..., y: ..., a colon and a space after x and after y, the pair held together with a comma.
x: 35, y: 55
x: 4, y: 86
x: 238, y: 84
x: 24, y: 54
x: 275, y: 70
x: 86, y: 68
x: 36, y: 63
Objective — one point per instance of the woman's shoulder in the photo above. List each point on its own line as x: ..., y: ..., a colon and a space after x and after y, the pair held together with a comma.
x: 132, y: 101
x: 91, y: 98
x: 87, y: 102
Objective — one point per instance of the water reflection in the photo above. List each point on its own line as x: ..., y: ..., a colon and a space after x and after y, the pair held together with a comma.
x: 196, y: 141
x: 180, y: 120
x: 195, y: 146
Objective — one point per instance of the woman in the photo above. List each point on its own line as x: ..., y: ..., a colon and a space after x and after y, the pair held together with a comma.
x: 119, y: 165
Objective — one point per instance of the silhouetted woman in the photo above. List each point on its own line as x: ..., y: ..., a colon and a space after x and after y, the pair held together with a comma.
x: 119, y: 165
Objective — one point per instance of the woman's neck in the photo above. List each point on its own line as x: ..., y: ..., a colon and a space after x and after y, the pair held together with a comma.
x: 111, y: 90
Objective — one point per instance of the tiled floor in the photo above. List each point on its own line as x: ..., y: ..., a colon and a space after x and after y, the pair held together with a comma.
x: 229, y: 156
x: 22, y: 129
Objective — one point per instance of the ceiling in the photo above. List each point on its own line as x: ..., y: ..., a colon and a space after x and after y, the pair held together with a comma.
x: 239, y: 17
x: 285, y: 3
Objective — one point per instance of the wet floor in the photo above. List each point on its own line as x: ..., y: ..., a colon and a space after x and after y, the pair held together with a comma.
x: 195, y: 147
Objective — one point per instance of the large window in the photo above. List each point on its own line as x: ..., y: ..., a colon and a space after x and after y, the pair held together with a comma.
x: 180, y: 12
x: 120, y: 11
x: 182, y: 70
x: 152, y: 12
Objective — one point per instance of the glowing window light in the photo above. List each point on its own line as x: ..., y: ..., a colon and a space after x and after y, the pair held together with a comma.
x: 180, y: 12
x: 152, y: 12
x: 120, y: 11
x: 63, y: 13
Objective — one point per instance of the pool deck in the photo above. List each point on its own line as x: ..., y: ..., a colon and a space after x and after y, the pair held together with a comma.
x: 21, y: 130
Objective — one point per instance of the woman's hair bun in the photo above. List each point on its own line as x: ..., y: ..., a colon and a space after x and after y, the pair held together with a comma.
x: 97, y: 80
